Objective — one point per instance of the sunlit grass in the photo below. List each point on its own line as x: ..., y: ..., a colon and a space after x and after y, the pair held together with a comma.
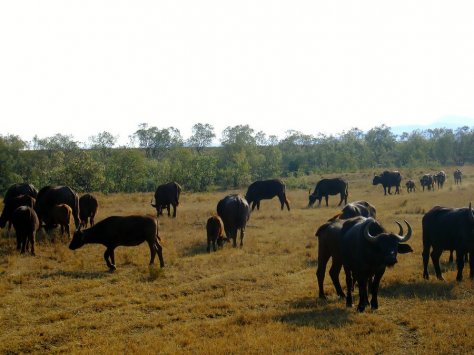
x: 258, y: 299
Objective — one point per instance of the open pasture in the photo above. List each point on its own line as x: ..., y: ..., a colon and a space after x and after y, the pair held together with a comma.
x: 258, y: 299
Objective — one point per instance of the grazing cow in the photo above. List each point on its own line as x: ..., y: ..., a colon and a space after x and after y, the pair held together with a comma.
x: 388, y: 179
x: 59, y: 214
x: 367, y: 249
x: 121, y: 231
x: 448, y: 229
x: 410, y: 186
x: 326, y: 187
x: 166, y: 195
x: 329, y: 235
x: 26, y: 223
x: 265, y: 190
x: 439, y: 178
x: 11, y: 205
x: 87, y: 209
x: 20, y: 189
x: 215, y: 233
x: 457, y: 176
x: 50, y: 196
x: 427, y: 181
x: 235, y: 212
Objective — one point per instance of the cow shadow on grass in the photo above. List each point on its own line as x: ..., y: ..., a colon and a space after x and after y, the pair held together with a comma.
x: 423, y: 289
x: 309, y: 312
x: 82, y: 275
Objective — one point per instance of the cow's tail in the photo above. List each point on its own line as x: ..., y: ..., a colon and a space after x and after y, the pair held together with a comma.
x: 178, y: 192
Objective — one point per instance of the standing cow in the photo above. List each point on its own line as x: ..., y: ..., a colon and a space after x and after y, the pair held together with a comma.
x: 267, y: 189
x: 20, y: 189
x: 326, y: 187
x: 367, y: 249
x: 235, y: 212
x: 427, y: 181
x: 439, y: 178
x: 457, y: 176
x: 388, y: 179
x: 448, y: 229
x: 26, y: 223
x: 88, y: 206
x: 11, y: 205
x: 116, y: 231
x: 410, y: 186
x: 50, y: 196
x: 167, y: 195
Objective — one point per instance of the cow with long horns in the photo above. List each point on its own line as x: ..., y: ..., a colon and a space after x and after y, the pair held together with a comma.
x: 367, y: 249
x: 448, y: 229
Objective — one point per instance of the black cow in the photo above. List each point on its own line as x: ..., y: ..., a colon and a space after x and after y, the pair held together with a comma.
x: 166, y: 195
x: 329, y: 235
x: 326, y: 187
x: 388, y: 179
x: 49, y: 196
x: 457, y: 176
x: 439, y: 178
x: 265, y: 190
x: 448, y: 229
x: 11, y: 205
x: 87, y: 209
x: 235, y: 212
x: 20, y: 189
x: 367, y: 249
x: 26, y: 223
x: 427, y: 181
x: 121, y: 231
x: 410, y: 186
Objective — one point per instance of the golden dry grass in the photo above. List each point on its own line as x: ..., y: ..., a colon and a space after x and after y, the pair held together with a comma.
x: 259, y: 299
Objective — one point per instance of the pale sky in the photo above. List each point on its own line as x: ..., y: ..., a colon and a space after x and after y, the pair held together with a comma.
x: 82, y: 67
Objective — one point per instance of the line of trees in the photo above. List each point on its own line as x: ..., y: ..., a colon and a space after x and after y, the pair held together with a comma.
x: 156, y: 155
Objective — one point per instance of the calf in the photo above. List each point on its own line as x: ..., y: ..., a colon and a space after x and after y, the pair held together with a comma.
x: 410, y: 186
x: 215, y: 233
x: 60, y: 214
x: 121, y: 231
x: 26, y: 223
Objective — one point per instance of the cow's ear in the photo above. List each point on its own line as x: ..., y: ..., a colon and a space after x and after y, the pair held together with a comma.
x: 404, y: 248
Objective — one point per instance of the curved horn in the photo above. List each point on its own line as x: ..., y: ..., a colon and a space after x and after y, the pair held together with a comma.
x: 367, y: 234
x: 400, y: 232
x: 153, y: 205
x: 405, y: 238
x: 471, y: 213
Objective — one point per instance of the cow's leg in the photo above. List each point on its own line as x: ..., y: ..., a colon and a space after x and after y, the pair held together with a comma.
x: 168, y: 209
x: 435, y: 255
x: 151, y: 245
x: 254, y: 203
x: 426, y: 257
x: 159, y: 251
x: 208, y: 244
x: 24, y: 239
x: 18, y: 241
x: 214, y: 240
x: 67, y: 231
x: 258, y: 205
x: 32, y: 243
x: 363, y: 298
x: 107, y: 254
x: 323, y: 258
x: 334, y: 272
x: 374, y: 289
x: 348, y: 286
x: 384, y: 190
x: 460, y: 264
x: 174, y: 210
x: 242, y: 233
x: 327, y: 199
x: 451, y: 256
x: 342, y: 199
x: 284, y: 201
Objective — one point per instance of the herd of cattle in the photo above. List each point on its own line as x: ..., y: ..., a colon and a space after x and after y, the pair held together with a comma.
x: 354, y: 239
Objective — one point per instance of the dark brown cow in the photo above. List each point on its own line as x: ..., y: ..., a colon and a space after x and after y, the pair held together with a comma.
x: 50, y: 196
x: 410, y: 186
x: 20, y: 189
x: 11, y: 205
x: 457, y: 176
x: 26, y: 223
x: 88, y: 206
x: 121, y: 231
x: 59, y: 214
x: 235, y: 212
x: 215, y: 233
x: 167, y: 195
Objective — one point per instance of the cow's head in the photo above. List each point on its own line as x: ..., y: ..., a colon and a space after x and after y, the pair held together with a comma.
x: 377, y: 180
x: 77, y: 240
x: 312, y: 199
x: 389, y: 244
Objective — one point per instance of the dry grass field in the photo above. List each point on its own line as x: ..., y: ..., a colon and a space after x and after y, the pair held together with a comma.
x: 258, y: 299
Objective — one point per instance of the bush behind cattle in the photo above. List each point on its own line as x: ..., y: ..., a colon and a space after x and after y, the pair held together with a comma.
x: 259, y: 299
